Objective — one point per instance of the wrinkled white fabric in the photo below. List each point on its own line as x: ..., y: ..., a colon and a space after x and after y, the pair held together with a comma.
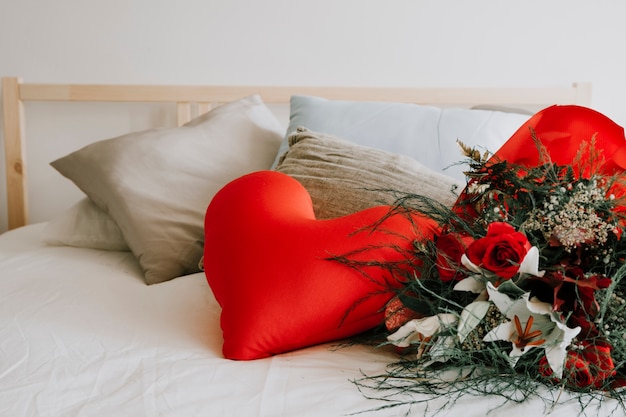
x: 81, y: 334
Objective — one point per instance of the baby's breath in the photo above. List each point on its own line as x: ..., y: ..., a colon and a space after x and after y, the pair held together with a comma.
x: 573, y: 216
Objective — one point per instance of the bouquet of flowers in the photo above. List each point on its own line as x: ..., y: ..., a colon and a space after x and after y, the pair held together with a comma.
x: 522, y: 286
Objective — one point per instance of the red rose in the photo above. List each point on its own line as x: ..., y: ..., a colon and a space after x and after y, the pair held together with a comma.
x: 590, y: 366
x: 450, y: 248
x: 501, y: 251
x: 577, y: 371
x: 600, y: 362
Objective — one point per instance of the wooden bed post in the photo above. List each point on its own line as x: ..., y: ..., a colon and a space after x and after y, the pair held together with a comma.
x: 15, y: 155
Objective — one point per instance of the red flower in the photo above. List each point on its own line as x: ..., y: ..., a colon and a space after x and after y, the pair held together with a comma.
x: 572, y: 293
x: 589, y: 367
x: 450, y: 248
x: 397, y: 314
x: 501, y: 251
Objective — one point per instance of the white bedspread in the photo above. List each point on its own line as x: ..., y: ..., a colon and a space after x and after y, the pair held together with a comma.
x: 81, y: 334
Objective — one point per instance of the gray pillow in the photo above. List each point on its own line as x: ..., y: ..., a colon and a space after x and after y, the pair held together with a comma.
x: 84, y: 225
x: 157, y: 184
x: 343, y: 178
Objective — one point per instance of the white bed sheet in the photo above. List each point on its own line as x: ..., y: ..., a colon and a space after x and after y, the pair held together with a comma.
x: 81, y: 334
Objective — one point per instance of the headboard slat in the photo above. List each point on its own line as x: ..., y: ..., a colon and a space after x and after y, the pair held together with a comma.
x: 183, y: 113
x: 204, y: 108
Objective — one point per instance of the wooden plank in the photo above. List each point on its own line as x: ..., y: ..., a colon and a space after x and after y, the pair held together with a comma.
x: 183, y: 113
x: 14, y: 147
x: 281, y: 94
x: 204, y: 108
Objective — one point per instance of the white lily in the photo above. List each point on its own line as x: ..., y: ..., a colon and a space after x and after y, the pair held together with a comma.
x: 471, y: 265
x: 421, y: 331
x: 555, y: 346
x: 531, y: 324
x: 416, y: 330
x: 530, y: 263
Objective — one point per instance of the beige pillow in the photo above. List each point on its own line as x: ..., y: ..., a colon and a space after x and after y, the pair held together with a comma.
x: 84, y: 225
x: 157, y: 184
x: 344, y: 178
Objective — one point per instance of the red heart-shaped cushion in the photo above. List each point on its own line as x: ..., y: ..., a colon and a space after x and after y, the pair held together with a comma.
x: 266, y: 260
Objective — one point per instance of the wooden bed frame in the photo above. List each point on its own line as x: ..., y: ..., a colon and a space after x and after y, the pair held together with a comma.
x: 194, y: 100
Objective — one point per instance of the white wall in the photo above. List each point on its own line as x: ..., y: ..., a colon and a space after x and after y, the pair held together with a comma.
x: 321, y: 42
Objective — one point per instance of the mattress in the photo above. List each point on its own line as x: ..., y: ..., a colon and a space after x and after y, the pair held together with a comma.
x: 81, y: 334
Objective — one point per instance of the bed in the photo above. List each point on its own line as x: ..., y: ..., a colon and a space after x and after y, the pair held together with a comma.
x: 95, y: 322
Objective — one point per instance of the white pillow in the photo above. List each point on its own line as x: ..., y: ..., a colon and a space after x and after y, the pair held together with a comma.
x: 157, y: 184
x: 84, y: 225
x: 393, y: 127
x: 426, y: 133
x: 481, y: 129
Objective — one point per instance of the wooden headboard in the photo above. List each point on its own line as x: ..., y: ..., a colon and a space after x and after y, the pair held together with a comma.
x: 193, y: 100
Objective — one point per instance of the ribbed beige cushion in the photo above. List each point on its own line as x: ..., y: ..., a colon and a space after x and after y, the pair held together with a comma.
x: 344, y: 178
